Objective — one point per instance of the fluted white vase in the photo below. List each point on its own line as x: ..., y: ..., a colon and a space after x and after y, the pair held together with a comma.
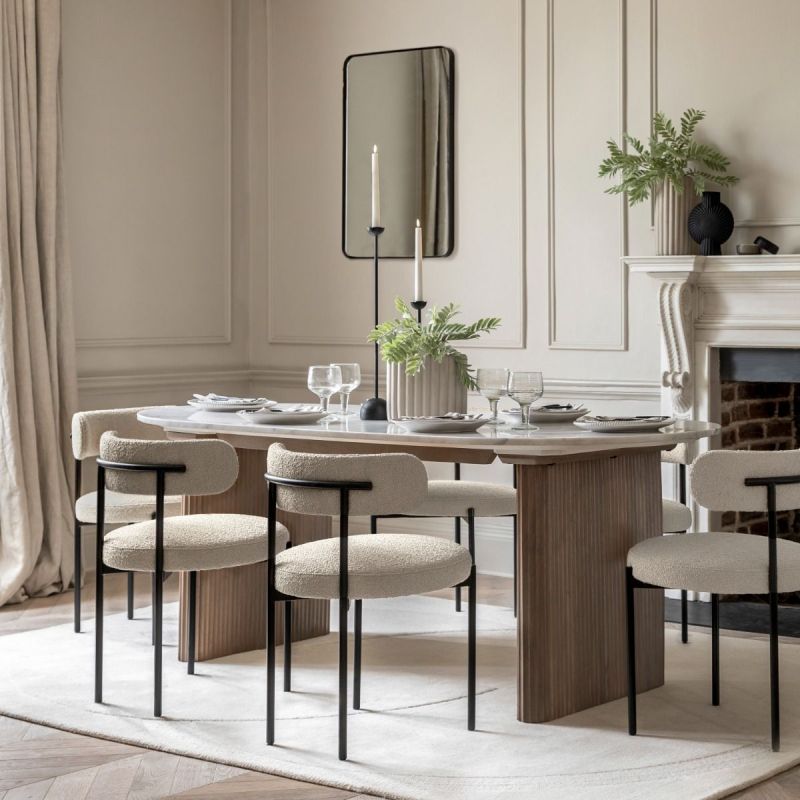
x: 672, y: 218
x: 435, y: 390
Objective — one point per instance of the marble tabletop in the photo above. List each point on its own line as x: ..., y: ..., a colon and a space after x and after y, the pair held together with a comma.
x: 552, y: 439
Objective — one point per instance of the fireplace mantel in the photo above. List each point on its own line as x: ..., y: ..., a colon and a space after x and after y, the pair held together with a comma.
x: 709, y: 302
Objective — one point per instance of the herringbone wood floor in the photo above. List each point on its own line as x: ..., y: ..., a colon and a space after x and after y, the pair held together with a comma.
x: 39, y: 763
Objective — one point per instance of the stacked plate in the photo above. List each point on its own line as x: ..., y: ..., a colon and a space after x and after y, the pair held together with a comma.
x: 446, y: 423
x: 600, y: 424
x: 293, y: 415
x: 220, y: 402
x: 553, y: 412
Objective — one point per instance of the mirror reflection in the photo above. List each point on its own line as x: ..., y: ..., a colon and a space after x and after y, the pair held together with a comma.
x: 401, y: 101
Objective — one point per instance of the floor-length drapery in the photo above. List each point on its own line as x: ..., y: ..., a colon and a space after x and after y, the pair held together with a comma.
x: 37, y: 364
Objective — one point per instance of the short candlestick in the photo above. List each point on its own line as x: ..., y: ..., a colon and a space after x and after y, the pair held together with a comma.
x: 419, y: 305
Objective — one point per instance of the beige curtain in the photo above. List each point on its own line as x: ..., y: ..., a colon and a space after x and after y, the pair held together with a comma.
x: 37, y: 372
x: 436, y: 189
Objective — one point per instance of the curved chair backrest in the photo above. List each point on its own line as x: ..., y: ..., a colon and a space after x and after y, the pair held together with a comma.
x: 211, y: 465
x: 399, y: 481
x: 89, y: 426
x: 718, y: 479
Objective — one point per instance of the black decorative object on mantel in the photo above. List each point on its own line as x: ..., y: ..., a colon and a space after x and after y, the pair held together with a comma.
x: 375, y: 407
x: 710, y: 224
x: 766, y: 245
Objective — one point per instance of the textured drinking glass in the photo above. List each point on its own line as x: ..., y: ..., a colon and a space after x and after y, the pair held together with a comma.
x: 351, y: 380
x: 492, y: 384
x: 324, y: 381
x: 525, y: 388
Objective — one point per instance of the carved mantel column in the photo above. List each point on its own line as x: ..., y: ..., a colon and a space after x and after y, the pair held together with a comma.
x: 677, y: 308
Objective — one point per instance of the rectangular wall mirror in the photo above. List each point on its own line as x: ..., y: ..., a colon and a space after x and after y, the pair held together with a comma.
x: 401, y: 101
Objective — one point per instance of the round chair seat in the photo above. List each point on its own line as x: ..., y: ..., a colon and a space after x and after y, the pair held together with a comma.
x: 677, y: 517
x: 720, y: 563
x: 192, y: 542
x: 455, y: 498
x: 380, y: 565
x: 123, y: 508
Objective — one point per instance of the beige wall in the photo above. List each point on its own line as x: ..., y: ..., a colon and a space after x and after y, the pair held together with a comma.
x: 203, y: 147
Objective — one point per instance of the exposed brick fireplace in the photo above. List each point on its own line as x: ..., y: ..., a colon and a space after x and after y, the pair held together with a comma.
x: 760, y: 410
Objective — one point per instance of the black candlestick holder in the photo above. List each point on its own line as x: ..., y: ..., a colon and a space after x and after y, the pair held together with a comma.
x: 419, y: 305
x: 375, y: 407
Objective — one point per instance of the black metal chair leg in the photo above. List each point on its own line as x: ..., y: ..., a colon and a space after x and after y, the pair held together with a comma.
x: 153, y: 611
x: 287, y: 645
x: 159, y: 630
x: 130, y: 595
x: 714, y: 650
x: 514, y: 546
x: 457, y: 539
x: 471, y: 627
x: 357, y: 659
x: 343, y: 605
x: 192, y: 619
x: 78, y: 568
x: 270, y: 666
x: 630, y: 623
x: 98, y: 634
x: 774, y: 676
x: 514, y: 538
x: 684, y: 616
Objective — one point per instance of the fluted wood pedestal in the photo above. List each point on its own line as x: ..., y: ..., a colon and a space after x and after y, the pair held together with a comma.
x: 231, y: 603
x: 577, y: 520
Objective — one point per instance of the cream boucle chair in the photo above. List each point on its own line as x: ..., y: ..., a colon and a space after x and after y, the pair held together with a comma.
x: 358, y: 567
x: 121, y: 509
x: 176, y: 544
x: 465, y: 500
x: 719, y: 563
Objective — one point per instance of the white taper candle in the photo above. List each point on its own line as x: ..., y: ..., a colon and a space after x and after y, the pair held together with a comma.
x: 376, y: 188
x: 418, y: 262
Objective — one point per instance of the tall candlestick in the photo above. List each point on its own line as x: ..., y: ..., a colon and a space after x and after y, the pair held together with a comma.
x: 376, y: 188
x: 418, y: 262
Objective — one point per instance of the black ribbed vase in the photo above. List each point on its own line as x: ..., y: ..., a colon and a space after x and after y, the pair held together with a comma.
x: 710, y: 224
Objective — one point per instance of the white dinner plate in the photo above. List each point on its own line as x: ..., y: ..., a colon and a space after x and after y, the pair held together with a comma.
x: 467, y: 424
x: 623, y: 424
x: 551, y: 415
x: 234, y: 404
x: 275, y: 416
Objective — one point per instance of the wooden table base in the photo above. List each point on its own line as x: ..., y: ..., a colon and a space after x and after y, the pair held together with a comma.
x: 577, y: 520
x: 231, y: 603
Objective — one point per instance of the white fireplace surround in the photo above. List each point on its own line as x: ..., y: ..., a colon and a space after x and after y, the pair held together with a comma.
x: 706, y: 303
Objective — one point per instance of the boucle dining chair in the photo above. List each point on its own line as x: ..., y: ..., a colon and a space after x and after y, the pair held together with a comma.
x: 725, y: 563
x: 455, y: 498
x: 186, y: 543
x: 346, y: 568
x: 121, y: 509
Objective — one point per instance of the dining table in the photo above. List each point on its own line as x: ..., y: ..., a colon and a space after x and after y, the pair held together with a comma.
x: 583, y: 499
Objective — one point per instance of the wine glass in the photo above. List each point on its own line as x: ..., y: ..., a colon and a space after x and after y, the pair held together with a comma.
x: 324, y: 381
x: 492, y: 384
x: 525, y: 388
x: 351, y: 380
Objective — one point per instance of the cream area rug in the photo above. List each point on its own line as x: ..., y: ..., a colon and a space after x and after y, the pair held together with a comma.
x: 410, y: 739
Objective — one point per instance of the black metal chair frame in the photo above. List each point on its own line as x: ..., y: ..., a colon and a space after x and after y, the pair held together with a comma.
x: 631, y: 583
x: 159, y: 574
x: 373, y: 528
x: 273, y: 596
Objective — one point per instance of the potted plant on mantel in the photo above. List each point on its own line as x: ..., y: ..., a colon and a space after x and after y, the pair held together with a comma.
x: 672, y: 165
x: 426, y: 375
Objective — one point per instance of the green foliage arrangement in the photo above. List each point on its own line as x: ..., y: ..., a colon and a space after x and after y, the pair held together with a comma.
x: 670, y: 156
x: 404, y: 340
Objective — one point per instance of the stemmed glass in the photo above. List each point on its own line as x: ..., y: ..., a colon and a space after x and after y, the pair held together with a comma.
x: 525, y: 388
x: 351, y: 380
x: 492, y: 384
x: 324, y: 381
